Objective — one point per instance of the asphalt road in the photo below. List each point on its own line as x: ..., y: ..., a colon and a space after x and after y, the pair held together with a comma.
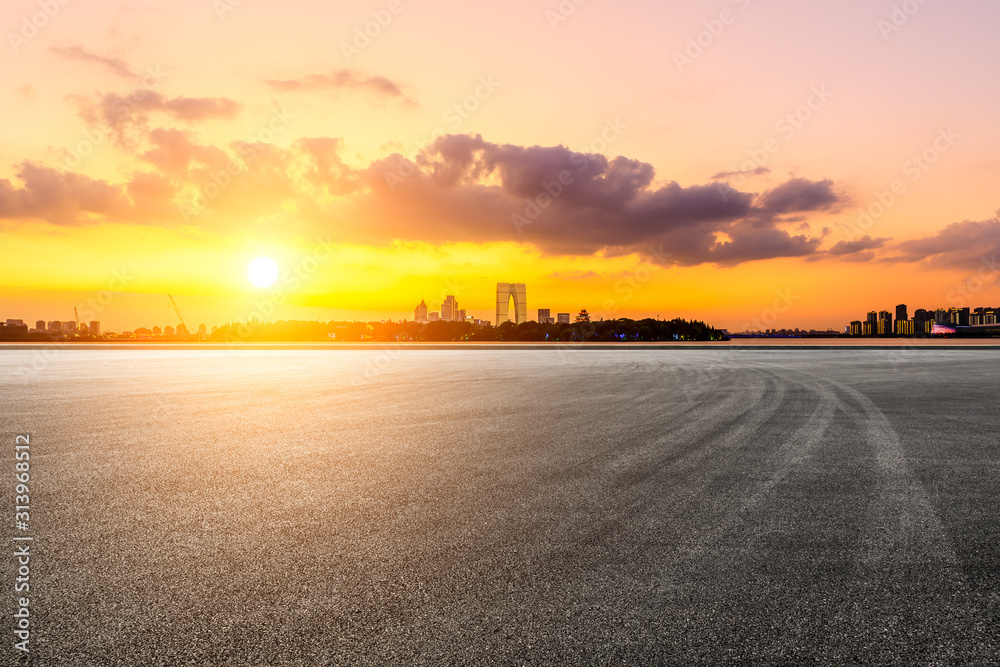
x: 507, y: 507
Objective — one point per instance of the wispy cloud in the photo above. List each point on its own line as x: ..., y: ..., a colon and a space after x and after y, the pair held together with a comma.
x: 345, y: 79
x: 114, y: 65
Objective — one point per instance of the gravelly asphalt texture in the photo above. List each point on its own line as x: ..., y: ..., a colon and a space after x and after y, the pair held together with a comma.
x: 508, y: 508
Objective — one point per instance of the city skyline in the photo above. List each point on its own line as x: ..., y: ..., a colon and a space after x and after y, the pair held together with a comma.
x: 737, y: 165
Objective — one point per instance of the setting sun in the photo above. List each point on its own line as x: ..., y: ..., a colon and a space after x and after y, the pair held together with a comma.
x: 262, y: 272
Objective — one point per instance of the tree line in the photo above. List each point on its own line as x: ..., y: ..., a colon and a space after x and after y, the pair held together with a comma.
x: 604, y: 331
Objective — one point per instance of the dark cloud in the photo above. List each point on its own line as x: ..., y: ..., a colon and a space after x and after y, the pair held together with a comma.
x: 344, y: 79
x: 465, y: 188
x: 459, y: 189
x: 963, y: 245
x: 114, y: 65
x: 800, y: 195
x: 856, y: 246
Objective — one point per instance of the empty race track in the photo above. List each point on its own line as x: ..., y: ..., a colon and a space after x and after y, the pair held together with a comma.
x: 510, y: 507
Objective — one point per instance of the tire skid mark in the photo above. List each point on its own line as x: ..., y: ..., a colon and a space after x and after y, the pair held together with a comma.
x: 793, y: 452
x: 905, y: 528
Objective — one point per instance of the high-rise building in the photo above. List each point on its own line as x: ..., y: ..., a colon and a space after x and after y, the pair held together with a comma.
x: 905, y: 327
x: 506, y: 292
x: 40, y: 325
x: 544, y: 316
x: 182, y: 330
x: 959, y: 317
x: 69, y: 327
x: 434, y: 317
x: 856, y: 329
x: 95, y: 328
x: 461, y: 316
x: 901, y: 312
x: 449, y: 309
x: 202, y: 331
x: 55, y: 327
x: 157, y: 331
x: 872, y: 317
x: 14, y: 323
x: 168, y: 330
x: 562, y: 318
x: 420, y: 312
x: 884, y: 323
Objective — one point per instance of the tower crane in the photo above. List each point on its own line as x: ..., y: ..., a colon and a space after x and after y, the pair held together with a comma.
x: 76, y: 314
x: 179, y: 316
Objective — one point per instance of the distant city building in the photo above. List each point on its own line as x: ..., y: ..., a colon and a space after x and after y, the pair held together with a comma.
x: 157, y: 331
x: 905, y: 327
x: 462, y: 315
x: 182, y: 330
x: 420, y: 312
x: 55, y: 327
x: 434, y: 317
x: 69, y: 327
x: 884, y: 323
x: 545, y: 316
x: 583, y: 316
x: 901, y: 312
x: 95, y: 328
x: 40, y: 325
x: 15, y: 323
x: 168, y: 330
x: 562, y: 318
x: 856, y: 328
x: 959, y: 317
x: 449, y: 309
x: 506, y: 292
x: 202, y: 331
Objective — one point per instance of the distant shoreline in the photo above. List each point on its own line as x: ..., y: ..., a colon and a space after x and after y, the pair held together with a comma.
x: 763, y: 345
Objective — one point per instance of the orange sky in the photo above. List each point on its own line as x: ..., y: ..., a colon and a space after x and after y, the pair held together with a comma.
x: 716, y: 158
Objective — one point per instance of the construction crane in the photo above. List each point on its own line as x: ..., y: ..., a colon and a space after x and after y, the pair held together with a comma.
x: 179, y: 316
x: 76, y: 314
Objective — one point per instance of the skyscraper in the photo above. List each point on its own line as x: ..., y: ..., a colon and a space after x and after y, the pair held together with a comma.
x: 506, y: 292
x: 420, y: 312
x: 562, y: 318
x: 884, y: 323
x: 901, y: 313
x: 449, y: 309
x: 95, y: 328
x: 40, y: 325
x: 544, y: 316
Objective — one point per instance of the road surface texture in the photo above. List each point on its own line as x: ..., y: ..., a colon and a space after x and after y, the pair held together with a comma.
x: 480, y: 507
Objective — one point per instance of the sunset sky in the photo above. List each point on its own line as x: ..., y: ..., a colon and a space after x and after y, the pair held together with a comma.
x: 776, y: 161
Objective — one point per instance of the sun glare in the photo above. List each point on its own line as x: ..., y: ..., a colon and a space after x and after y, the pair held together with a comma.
x: 262, y: 272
